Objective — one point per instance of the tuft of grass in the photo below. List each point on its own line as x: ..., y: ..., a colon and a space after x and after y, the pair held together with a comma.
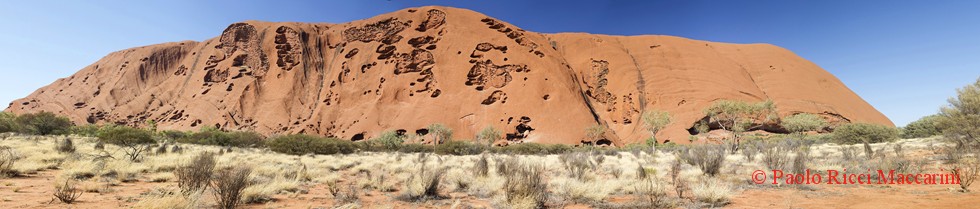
x: 482, y: 167
x: 65, y: 145
x: 459, y: 180
x: 774, y: 157
x: 581, y: 191
x: 848, y: 153
x: 801, y: 159
x: 712, y: 191
x: 751, y: 149
x: 101, y: 187
x: 679, y: 184
x: 577, y: 164
x: 67, y: 193
x: 162, y: 149
x: 899, y: 151
x: 346, y: 195
x: 170, y: 200
x: 160, y: 177
x: 264, y: 186
x: 99, y: 146
x: 424, y: 184
x: 653, y: 193
x: 615, y: 171
x: 641, y: 172
x: 525, y: 186
x: 710, y: 158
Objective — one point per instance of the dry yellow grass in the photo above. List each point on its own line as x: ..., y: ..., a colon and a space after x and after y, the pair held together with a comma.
x: 614, y: 175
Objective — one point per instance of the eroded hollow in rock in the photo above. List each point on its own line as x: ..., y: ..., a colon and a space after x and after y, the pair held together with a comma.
x: 522, y: 130
x: 422, y: 132
x: 357, y: 137
x: 770, y: 127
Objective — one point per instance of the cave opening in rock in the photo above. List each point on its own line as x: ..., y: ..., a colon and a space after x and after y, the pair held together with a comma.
x: 357, y: 137
x: 422, y: 132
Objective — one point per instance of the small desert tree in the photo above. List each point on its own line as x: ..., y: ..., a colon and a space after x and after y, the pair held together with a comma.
x: 654, y: 121
x: 924, y: 127
x: 209, y: 135
x: 854, y: 133
x: 960, y: 124
x: 195, y: 175
x: 803, y: 122
x: 864, y: 133
x: 961, y: 119
x: 488, y: 135
x: 151, y: 125
x: 390, y: 140
x: 440, y: 133
x: 43, y: 123
x: 228, y: 186
x: 132, y: 140
x: 738, y: 117
x: 595, y: 133
x: 8, y: 122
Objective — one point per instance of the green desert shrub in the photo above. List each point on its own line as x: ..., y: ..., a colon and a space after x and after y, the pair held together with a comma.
x: 388, y: 141
x: 488, y: 135
x: 87, y: 130
x: 370, y: 146
x: 243, y: 139
x: 924, y: 127
x: 292, y: 144
x: 134, y: 141
x: 653, y: 122
x: 960, y: 124
x: 854, y: 133
x: 739, y: 117
x: 441, y: 133
x: 213, y: 136
x: 459, y: 148
x: 299, y: 144
x: 8, y: 122
x: 821, y: 138
x: 43, y: 123
x: 173, y: 134
x: 595, y: 133
x: 710, y: 158
x: 803, y: 122
x: 415, y: 148
x: 534, y: 149
x: 124, y: 135
x: 961, y: 118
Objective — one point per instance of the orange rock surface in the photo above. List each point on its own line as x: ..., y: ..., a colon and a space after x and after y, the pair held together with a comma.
x: 411, y: 68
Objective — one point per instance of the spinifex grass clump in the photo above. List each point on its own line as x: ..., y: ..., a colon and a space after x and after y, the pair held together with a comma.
x: 525, y: 186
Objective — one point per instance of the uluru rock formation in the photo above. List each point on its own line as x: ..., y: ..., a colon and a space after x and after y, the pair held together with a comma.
x: 411, y: 68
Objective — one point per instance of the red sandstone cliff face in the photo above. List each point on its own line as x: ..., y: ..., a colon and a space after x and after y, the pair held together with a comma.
x: 411, y: 68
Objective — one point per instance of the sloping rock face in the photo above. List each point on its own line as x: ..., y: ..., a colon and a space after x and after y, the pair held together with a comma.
x: 411, y: 68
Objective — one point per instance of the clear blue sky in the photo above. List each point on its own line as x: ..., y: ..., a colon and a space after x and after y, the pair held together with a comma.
x: 904, y: 57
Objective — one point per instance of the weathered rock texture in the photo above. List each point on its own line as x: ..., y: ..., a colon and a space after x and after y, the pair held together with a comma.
x: 414, y: 67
